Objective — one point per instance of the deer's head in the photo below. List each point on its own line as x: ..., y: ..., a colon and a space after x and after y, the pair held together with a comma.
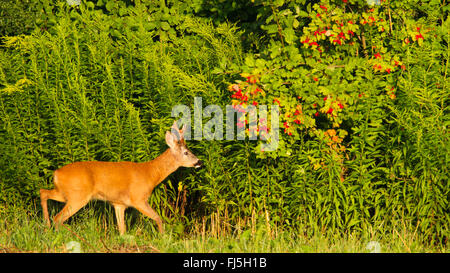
x: 175, y: 140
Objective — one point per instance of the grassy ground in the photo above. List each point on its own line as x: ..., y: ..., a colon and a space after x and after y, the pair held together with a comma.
x: 96, y: 231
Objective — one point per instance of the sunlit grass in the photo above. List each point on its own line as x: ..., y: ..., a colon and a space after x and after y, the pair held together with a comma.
x: 25, y: 231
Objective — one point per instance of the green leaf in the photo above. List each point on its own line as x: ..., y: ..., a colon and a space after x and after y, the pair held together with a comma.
x: 249, y: 61
x: 123, y: 11
x: 273, y: 28
x: 165, y: 26
x: 110, y: 5
x: 289, y: 35
x: 90, y: 5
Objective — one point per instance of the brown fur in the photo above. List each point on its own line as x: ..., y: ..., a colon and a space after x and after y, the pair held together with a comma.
x: 123, y: 184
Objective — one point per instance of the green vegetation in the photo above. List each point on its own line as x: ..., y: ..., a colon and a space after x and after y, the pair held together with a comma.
x: 95, y: 230
x: 363, y: 95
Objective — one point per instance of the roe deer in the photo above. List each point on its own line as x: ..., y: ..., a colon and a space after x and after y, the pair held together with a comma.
x: 123, y: 184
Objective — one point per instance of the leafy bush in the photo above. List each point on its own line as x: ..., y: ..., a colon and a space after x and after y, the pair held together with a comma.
x: 17, y: 17
x: 341, y: 71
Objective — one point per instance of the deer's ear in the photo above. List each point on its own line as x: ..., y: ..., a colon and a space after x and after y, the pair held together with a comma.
x: 170, y: 139
x: 182, y: 131
x: 175, y: 126
x: 177, y: 133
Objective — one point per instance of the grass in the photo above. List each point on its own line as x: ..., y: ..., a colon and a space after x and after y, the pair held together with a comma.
x: 96, y: 231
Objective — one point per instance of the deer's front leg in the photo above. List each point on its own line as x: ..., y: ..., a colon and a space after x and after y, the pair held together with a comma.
x: 120, y: 216
x: 145, y: 209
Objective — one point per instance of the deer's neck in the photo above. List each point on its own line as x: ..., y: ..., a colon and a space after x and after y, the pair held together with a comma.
x: 161, y: 167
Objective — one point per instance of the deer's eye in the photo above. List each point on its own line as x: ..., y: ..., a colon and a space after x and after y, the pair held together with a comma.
x: 186, y: 153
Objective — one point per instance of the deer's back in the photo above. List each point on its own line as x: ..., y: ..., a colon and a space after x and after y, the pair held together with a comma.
x: 116, y: 182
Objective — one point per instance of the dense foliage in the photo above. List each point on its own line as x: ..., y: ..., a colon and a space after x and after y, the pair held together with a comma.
x: 362, y: 90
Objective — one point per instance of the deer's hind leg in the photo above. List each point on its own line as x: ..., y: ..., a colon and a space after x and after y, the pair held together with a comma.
x: 49, y: 194
x: 72, y: 206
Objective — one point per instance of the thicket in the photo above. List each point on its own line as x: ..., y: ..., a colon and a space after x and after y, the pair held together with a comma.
x: 362, y: 90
